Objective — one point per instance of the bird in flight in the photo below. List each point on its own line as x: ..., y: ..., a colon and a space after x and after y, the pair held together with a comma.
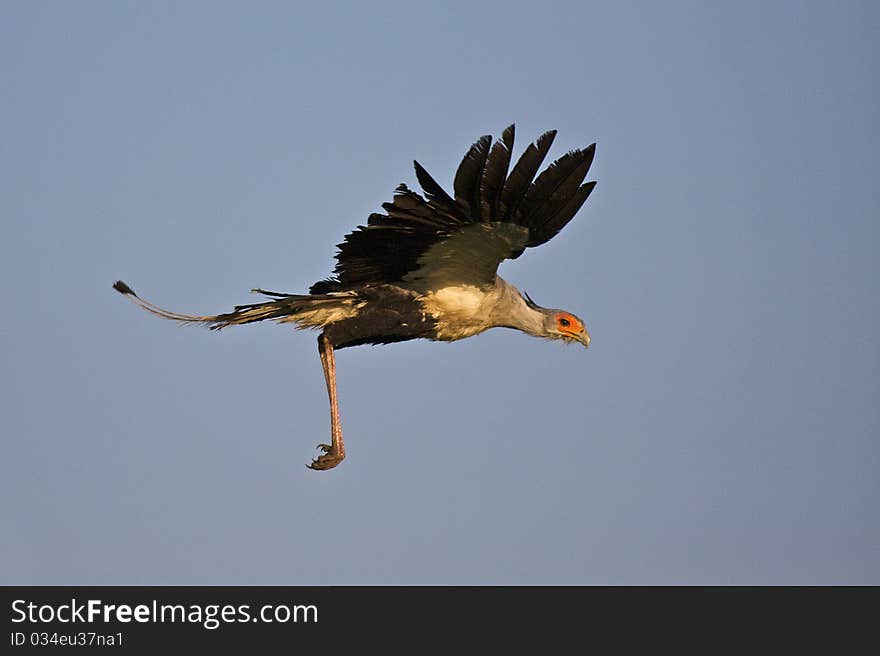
x: 427, y: 267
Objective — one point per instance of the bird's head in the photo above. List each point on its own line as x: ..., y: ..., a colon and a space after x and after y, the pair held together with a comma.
x: 559, y: 324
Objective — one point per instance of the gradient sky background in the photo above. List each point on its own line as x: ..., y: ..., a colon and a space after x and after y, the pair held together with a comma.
x: 722, y: 428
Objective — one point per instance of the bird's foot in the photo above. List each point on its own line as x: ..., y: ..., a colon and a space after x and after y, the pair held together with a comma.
x: 329, y: 459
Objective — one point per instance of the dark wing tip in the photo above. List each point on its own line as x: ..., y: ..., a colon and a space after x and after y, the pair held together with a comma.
x: 122, y: 288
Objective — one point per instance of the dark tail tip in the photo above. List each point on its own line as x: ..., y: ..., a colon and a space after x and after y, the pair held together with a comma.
x: 122, y: 288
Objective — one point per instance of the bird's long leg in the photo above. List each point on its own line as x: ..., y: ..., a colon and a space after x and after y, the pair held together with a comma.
x: 335, y: 451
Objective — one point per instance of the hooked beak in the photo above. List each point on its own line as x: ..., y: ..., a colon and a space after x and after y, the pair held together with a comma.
x: 584, y: 338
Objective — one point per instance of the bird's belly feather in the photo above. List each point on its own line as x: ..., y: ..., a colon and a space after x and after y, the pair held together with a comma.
x: 383, y: 315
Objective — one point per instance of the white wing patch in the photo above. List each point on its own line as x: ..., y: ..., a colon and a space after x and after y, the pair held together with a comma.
x: 469, y: 257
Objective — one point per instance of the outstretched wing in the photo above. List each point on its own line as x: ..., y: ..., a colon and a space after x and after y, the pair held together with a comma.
x: 436, y: 240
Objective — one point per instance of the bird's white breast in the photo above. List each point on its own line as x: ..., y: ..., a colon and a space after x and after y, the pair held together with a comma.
x: 459, y: 311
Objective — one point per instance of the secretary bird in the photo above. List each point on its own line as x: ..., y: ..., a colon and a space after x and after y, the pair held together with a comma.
x: 427, y: 267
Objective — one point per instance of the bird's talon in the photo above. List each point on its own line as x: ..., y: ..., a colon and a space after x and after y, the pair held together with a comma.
x: 327, y: 461
x: 326, y: 448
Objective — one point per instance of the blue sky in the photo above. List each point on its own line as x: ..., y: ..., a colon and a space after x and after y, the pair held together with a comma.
x: 722, y: 428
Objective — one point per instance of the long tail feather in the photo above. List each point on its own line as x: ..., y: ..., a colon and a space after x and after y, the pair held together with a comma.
x: 305, y: 310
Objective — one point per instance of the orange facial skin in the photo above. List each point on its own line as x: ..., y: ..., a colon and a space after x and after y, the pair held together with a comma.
x: 572, y: 328
x: 568, y: 323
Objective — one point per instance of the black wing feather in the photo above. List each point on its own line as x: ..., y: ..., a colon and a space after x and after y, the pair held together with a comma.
x: 523, y: 173
x: 408, y: 208
x: 437, y: 196
x: 494, y: 174
x: 551, y: 191
x: 390, y: 246
x: 468, y: 176
x: 564, y: 214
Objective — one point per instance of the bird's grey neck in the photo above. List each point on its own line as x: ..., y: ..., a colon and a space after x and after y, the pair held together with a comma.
x: 512, y: 311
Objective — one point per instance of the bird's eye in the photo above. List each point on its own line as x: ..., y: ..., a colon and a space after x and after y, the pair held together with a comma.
x: 565, y: 323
